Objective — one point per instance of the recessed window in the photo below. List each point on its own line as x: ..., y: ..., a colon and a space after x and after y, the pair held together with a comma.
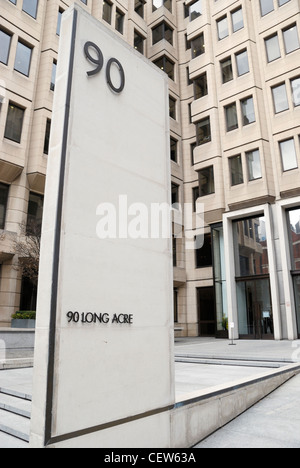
x: 273, y: 48
x: 296, y: 91
x: 200, y: 86
x: 206, y: 181
x: 195, y: 10
x: 5, y: 40
x: 3, y: 203
x: 203, y: 131
x: 248, y: 111
x: 156, y: 4
x: 174, y: 150
x: 197, y: 46
x: 139, y: 41
x: 107, y: 11
x: 30, y: 7
x: 237, y: 20
x: 162, y: 31
x: 231, y: 117
x: 14, y: 123
x: 266, y: 6
x: 167, y: 66
x: 35, y: 214
x: 280, y: 98
x: 23, y: 59
x: 242, y: 63
x: 227, y: 71
x: 291, y: 39
x: 254, y: 165
x: 120, y: 21
x: 47, y: 137
x: 53, y: 75
x: 223, y: 30
x: 236, y: 170
x: 139, y: 7
x: 288, y: 155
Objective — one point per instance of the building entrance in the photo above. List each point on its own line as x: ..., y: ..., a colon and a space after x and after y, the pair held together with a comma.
x: 206, y: 311
x: 255, y: 309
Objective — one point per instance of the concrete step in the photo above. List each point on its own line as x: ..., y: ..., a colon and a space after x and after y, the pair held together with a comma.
x: 229, y: 362
x: 15, y: 405
x: 15, y: 413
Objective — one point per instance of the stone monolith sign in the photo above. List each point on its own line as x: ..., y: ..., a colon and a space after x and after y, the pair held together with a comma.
x: 103, y: 373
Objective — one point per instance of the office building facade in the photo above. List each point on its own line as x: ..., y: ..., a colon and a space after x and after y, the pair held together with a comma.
x: 234, y: 85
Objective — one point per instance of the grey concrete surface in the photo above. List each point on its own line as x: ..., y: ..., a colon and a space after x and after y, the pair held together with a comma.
x: 274, y: 422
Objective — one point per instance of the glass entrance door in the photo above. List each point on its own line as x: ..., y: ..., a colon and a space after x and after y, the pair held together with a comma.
x: 255, y: 309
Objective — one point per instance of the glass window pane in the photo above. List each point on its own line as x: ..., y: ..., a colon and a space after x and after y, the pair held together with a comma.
x: 195, y: 10
x: 294, y: 235
x: 273, y: 49
x: 291, y: 39
x: 280, y: 98
x: 236, y: 170
x: 266, y: 7
x: 107, y: 11
x: 227, y: 71
x: 242, y: 63
x: 237, y: 20
x: 248, y: 111
x: 223, y: 30
x: 30, y: 7
x: 206, y: 181
x: 296, y: 91
x: 231, y: 117
x: 14, y: 123
x: 251, y: 250
x: 4, y: 47
x: 203, y: 131
x: 35, y: 214
x: 3, y: 203
x: 254, y: 166
x: 288, y: 155
x: 23, y: 59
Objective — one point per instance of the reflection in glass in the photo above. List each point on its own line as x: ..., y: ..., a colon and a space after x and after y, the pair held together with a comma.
x: 251, y: 251
x: 220, y: 280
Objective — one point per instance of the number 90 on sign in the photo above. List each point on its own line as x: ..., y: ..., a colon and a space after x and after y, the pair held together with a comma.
x: 97, y: 59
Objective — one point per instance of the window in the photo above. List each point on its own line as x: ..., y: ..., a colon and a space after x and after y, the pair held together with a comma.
x: 5, y: 40
x: 30, y: 7
x: 227, y: 72
x: 175, y: 193
x: 139, y: 41
x: 172, y: 107
x: 162, y: 31
x: 266, y: 6
x: 139, y: 7
x: 254, y: 166
x: 3, y: 204
x: 174, y: 150
x: 120, y: 21
x: 14, y: 123
x: 237, y: 20
x: 195, y: 10
x: 242, y: 63
x: 204, y: 254
x: 53, y: 75
x: 23, y: 59
x: 248, y: 111
x: 288, y: 155
x: 272, y: 48
x: 280, y: 98
x: 107, y: 11
x: 203, y: 131
x: 223, y: 30
x: 200, y: 86
x: 231, y: 117
x: 59, y: 18
x: 206, y: 181
x: 166, y: 65
x: 156, y: 4
x: 196, y: 194
x: 236, y: 170
x: 35, y: 214
x: 296, y: 91
x: 197, y: 46
x: 47, y: 136
x: 291, y: 39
